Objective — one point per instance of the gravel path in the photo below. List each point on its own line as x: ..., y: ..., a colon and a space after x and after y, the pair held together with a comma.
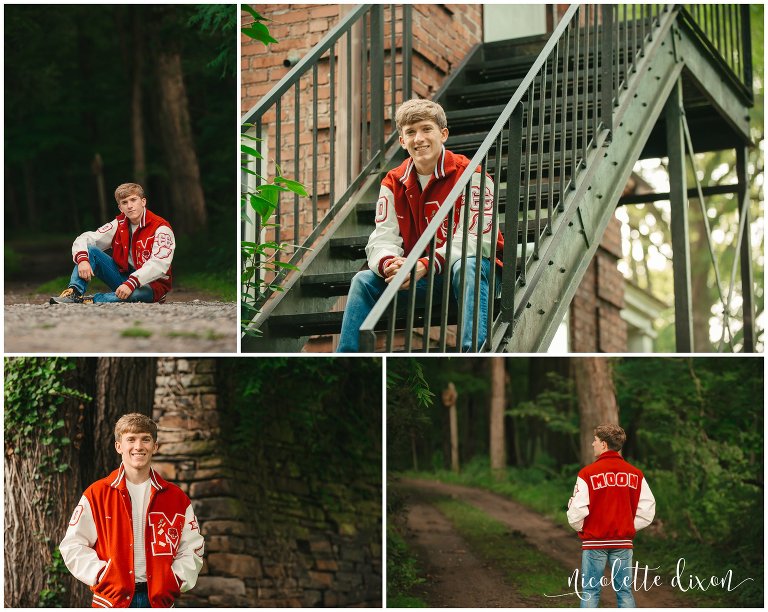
x: 190, y: 326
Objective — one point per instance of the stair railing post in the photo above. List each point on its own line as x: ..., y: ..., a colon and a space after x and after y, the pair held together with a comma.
x: 512, y: 218
x: 377, y: 79
x: 678, y: 198
x: 606, y: 68
x: 746, y: 46
x: 407, y: 51
x: 745, y: 253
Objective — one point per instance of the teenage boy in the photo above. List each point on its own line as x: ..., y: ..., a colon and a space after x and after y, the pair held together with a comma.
x: 410, y: 196
x: 133, y: 537
x: 610, y: 503
x: 139, y: 269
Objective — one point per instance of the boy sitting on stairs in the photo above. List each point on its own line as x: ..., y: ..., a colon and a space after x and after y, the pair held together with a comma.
x: 410, y: 196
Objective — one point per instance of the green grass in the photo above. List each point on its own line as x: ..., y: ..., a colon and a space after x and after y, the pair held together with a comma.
x: 12, y: 261
x: 57, y: 285
x: 531, y: 572
x: 136, y: 332
x: 403, y: 573
x: 222, y: 286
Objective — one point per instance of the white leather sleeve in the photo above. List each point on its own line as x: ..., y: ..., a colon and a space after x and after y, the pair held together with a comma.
x: 77, y: 546
x: 159, y: 260
x: 646, y: 507
x: 189, y: 556
x: 473, y: 210
x: 385, y: 241
x: 101, y: 239
x: 578, y: 505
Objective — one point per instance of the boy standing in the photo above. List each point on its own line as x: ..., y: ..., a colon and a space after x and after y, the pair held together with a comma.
x: 410, y: 196
x: 134, y: 538
x: 610, y: 503
x: 139, y: 269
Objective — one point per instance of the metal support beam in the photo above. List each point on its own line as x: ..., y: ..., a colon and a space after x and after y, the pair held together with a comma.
x: 377, y: 79
x: 681, y: 256
x: 745, y: 253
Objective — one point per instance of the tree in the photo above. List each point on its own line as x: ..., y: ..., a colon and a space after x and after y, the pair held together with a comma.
x: 597, y: 399
x: 60, y: 417
x: 497, y: 437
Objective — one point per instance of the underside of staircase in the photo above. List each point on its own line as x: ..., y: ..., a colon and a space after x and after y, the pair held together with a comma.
x: 474, y: 97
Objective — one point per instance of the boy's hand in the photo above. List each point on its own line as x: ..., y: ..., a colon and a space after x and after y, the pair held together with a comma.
x: 123, y: 292
x: 85, y: 271
x: 421, y: 271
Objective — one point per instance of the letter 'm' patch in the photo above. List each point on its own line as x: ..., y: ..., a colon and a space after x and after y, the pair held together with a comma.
x: 166, y: 533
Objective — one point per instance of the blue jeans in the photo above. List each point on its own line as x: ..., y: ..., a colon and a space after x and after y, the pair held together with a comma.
x: 592, y: 569
x: 140, y: 600
x: 105, y: 269
x: 367, y: 287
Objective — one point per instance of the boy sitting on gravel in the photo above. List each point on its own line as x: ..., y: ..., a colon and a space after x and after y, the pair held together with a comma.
x: 139, y: 268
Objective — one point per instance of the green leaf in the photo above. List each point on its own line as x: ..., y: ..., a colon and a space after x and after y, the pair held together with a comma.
x: 250, y: 151
x: 262, y: 206
x: 293, y: 186
x: 250, y: 10
x: 260, y: 32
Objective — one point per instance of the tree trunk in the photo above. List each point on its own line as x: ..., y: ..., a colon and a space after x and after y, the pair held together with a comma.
x: 597, y: 399
x: 497, y: 437
x: 137, y: 116
x: 449, y: 401
x: 187, y: 197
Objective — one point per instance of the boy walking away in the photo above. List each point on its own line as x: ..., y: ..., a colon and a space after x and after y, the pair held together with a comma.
x: 133, y: 537
x: 610, y: 503
x: 410, y: 196
x: 139, y: 268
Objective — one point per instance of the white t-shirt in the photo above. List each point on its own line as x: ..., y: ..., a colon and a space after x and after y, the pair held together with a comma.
x: 423, y: 179
x: 139, y: 503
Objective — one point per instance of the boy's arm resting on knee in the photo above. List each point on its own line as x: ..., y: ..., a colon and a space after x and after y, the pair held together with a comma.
x: 77, y: 546
x: 159, y: 262
x: 101, y: 239
x: 444, y: 259
x: 189, y: 556
x: 385, y: 242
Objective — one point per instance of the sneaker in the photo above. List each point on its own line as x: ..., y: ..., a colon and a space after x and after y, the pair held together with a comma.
x: 68, y: 296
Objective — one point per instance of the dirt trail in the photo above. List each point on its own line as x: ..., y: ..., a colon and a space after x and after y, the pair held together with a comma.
x: 455, y: 577
x: 551, y: 539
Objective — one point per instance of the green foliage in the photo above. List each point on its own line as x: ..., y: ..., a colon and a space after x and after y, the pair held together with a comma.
x: 53, y: 594
x: 136, y: 332
x: 409, y: 401
x: 547, y: 407
x: 402, y: 572
x: 58, y: 284
x: 12, y: 261
x: 218, y: 19
x: 257, y: 30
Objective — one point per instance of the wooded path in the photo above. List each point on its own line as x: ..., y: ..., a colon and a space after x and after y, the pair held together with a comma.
x: 456, y: 578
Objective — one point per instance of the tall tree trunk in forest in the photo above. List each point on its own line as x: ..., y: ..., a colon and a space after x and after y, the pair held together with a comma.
x: 701, y: 298
x: 117, y: 385
x: 597, y: 399
x: 137, y: 116
x: 176, y: 129
x: 497, y: 437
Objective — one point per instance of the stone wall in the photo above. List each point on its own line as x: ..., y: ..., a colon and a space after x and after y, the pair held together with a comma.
x: 273, y: 537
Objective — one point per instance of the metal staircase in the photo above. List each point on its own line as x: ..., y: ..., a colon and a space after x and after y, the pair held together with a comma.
x: 558, y: 122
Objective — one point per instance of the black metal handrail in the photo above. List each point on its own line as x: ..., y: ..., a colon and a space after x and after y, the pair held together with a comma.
x: 724, y: 30
x: 303, y: 145
x: 570, y: 93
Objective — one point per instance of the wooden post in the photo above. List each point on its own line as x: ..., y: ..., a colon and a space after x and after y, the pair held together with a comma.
x: 449, y: 401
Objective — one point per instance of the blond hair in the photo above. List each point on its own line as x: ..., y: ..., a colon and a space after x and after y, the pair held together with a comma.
x: 415, y: 110
x: 613, y: 435
x: 128, y: 189
x: 135, y: 422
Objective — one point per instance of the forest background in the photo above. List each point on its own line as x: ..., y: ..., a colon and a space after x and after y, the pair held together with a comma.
x: 96, y: 96
x: 694, y: 426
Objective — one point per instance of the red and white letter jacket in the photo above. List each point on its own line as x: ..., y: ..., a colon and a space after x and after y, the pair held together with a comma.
x: 610, y: 503
x: 403, y: 212
x: 151, y: 248
x: 98, y: 545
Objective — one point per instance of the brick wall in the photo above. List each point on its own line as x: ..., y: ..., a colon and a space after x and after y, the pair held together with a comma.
x: 442, y: 36
x: 287, y: 545
x: 595, y: 321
